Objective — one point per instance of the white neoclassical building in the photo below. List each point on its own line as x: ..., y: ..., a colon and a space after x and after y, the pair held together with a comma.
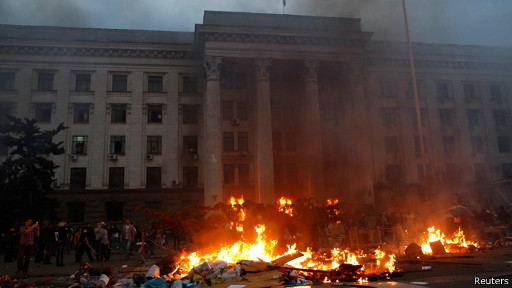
x: 258, y: 105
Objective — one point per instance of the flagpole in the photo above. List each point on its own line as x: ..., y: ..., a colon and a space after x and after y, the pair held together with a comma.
x: 416, y: 100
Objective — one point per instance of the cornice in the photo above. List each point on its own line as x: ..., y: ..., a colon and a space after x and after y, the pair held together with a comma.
x: 349, y: 42
x: 96, y: 52
x: 439, y: 64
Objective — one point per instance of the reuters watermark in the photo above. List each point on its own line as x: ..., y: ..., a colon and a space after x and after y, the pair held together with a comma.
x: 491, y: 281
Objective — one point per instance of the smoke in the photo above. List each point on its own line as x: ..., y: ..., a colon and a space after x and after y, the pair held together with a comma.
x: 434, y: 21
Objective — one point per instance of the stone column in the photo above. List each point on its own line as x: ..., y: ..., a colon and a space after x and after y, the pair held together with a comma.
x: 361, y: 156
x: 264, y: 152
x: 212, y: 133
x: 313, y: 130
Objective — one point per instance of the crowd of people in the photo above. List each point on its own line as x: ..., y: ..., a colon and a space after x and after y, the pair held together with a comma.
x: 42, y: 242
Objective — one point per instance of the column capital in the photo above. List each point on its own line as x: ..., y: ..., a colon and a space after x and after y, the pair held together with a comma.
x: 311, y: 65
x: 262, y: 65
x: 211, y: 65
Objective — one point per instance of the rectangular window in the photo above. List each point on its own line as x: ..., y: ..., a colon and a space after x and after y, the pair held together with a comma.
x: 116, y: 177
x: 448, y: 144
x: 417, y: 148
x: 118, y: 113
x: 421, y: 177
x: 229, y: 174
x: 503, y: 144
x: 228, y: 141
x: 119, y: 83
x: 386, y: 89
x: 83, y: 82
x: 394, y: 173
x: 154, y: 113
x: 473, y: 117
x: 391, y: 145
x: 81, y: 113
x: 241, y: 110
x: 77, y: 178
x: 4, y: 150
x: 79, y: 145
x: 154, y: 145
x: 5, y: 110
x: 155, y: 84
x: 500, y: 117
x: 443, y: 92
x: 477, y: 145
x: 243, y: 174
x: 389, y: 117
x: 496, y: 95
x: 190, y: 178
x: 45, y: 81
x: 189, y: 114
x: 76, y: 212
x: 114, y: 211
x: 117, y: 144
x: 190, y: 144
x: 445, y: 116
x: 7, y: 81
x: 410, y: 90
x: 226, y: 80
x: 154, y: 177
x: 414, y: 117
x: 243, y: 141
x: 469, y: 92
x: 190, y: 84
x: 227, y: 110
x: 43, y: 112
x: 240, y: 80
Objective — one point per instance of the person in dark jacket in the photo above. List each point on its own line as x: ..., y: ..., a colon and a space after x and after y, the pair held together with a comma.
x: 48, y: 236
x: 62, y: 238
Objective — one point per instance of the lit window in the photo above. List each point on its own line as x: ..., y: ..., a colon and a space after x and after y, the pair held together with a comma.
x: 79, y: 145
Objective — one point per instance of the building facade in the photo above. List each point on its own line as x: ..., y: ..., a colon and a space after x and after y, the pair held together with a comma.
x: 258, y: 105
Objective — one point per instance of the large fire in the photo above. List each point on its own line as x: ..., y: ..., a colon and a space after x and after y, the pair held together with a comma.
x: 263, y: 249
x: 455, y: 243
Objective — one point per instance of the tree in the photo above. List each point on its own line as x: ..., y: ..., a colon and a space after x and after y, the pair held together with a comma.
x: 27, y: 174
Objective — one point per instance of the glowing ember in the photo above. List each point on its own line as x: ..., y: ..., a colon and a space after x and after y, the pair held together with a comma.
x: 285, y: 205
x: 454, y: 244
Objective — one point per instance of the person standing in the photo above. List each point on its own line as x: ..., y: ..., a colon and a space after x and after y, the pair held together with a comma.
x: 26, y: 247
x: 48, y: 238
x: 62, y: 238
x: 104, y: 243
x: 82, y: 244
x: 128, y: 237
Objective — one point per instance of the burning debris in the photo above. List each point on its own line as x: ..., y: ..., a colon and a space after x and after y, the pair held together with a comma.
x: 258, y: 259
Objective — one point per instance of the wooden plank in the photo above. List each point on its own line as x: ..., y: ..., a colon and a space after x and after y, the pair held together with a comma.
x: 287, y: 258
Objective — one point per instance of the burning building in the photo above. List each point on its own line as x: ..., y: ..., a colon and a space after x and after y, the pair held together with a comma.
x: 258, y: 105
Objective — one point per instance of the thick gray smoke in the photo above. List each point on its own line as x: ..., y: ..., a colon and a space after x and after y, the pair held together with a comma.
x: 483, y: 22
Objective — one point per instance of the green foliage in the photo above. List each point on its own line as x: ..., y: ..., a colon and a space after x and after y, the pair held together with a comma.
x: 27, y: 174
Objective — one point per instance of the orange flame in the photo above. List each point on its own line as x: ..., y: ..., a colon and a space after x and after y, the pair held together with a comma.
x: 285, y: 205
x: 454, y: 244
